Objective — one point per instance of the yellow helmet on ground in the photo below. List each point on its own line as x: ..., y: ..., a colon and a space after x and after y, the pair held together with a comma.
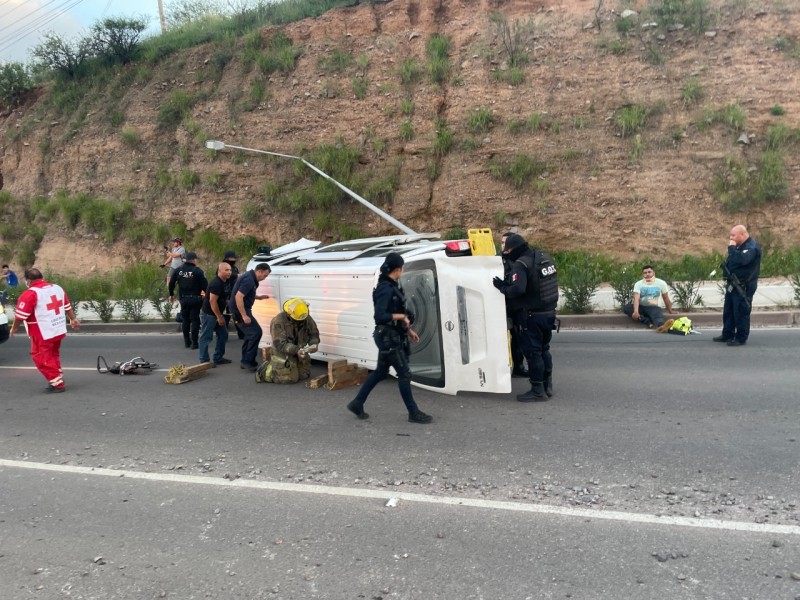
x: 296, y: 308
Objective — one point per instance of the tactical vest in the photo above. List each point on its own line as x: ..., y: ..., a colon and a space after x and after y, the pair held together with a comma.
x: 541, y: 293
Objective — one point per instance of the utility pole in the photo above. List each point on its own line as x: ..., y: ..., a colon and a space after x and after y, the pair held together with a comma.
x: 161, y: 16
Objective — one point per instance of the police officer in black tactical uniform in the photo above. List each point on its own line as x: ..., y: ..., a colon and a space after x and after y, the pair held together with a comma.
x: 393, y: 330
x: 517, y: 357
x: 192, y: 285
x: 741, y: 271
x: 532, y: 294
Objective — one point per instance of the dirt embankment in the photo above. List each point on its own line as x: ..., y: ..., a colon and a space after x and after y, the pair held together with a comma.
x: 633, y: 197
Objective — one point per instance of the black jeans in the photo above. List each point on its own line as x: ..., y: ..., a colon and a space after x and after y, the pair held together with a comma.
x: 647, y: 314
x: 190, y: 313
x: 537, y: 332
x: 391, y: 353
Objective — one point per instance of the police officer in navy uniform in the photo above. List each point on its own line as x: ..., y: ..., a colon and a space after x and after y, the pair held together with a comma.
x: 531, y: 292
x: 393, y: 330
x: 741, y: 271
x: 192, y: 284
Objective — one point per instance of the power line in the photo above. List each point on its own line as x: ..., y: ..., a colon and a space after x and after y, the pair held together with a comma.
x: 35, y: 25
x: 27, y: 16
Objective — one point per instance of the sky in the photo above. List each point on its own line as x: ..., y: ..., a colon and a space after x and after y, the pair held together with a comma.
x: 23, y: 23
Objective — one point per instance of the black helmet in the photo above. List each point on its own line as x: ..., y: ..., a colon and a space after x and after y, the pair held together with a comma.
x: 513, y: 241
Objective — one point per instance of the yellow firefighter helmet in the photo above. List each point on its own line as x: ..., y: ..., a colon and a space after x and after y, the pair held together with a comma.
x: 296, y: 308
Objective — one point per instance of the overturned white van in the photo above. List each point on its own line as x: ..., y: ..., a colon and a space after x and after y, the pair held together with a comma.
x: 460, y: 316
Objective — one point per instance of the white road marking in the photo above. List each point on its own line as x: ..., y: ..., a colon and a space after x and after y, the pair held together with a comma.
x: 23, y: 368
x: 386, y: 495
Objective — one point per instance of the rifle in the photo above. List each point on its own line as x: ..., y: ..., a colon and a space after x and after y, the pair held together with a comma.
x: 735, y: 284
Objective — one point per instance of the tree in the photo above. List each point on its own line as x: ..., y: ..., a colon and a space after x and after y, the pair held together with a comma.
x: 61, y: 55
x: 15, y: 82
x: 117, y: 39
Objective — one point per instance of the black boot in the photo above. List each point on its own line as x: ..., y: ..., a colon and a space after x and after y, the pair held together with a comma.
x: 536, y: 393
x: 548, y: 384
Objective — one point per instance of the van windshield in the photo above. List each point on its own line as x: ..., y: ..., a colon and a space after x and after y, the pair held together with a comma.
x: 422, y: 295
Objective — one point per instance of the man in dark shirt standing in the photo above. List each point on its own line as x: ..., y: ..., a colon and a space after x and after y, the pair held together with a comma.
x: 243, y: 296
x: 212, y: 319
x: 230, y: 258
x: 192, y: 283
x: 741, y: 272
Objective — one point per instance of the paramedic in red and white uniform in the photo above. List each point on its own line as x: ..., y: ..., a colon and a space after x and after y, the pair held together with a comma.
x: 44, y: 308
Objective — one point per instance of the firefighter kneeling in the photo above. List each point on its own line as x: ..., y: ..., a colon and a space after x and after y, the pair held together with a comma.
x: 294, y: 337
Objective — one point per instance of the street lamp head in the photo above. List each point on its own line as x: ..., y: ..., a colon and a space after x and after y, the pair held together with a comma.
x: 215, y: 145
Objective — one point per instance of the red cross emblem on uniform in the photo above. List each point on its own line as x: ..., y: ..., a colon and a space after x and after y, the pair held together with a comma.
x: 55, y: 304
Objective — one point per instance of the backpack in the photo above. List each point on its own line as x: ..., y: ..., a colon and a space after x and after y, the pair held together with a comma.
x: 681, y: 326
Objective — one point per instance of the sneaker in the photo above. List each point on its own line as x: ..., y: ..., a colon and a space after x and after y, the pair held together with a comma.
x: 419, y: 417
x: 357, y: 411
x: 721, y: 338
x: 736, y: 343
x: 665, y: 327
x: 55, y: 390
x: 248, y: 367
x: 223, y: 361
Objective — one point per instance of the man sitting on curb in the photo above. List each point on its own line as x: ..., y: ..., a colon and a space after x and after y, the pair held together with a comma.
x: 644, y: 307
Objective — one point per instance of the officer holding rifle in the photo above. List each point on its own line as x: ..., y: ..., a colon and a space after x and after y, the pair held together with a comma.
x: 741, y: 271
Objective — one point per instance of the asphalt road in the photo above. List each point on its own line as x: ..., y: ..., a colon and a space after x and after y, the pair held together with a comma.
x: 665, y: 467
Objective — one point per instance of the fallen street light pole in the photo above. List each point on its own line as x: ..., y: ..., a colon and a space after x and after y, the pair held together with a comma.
x: 218, y: 145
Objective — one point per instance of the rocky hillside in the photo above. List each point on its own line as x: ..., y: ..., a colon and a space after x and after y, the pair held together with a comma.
x: 595, y: 185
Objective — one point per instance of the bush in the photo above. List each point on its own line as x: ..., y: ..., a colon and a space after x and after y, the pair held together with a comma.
x: 359, y: 86
x: 443, y: 142
x: 102, y: 306
x: 406, y: 130
x: 691, y: 92
x: 133, y: 308
x: 579, y: 280
x: 410, y: 71
x: 630, y: 119
x: 480, y: 120
x: 438, y: 65
x: 622, y: 281
x: 336, y: 62
x: 131, y: 137
x: 520, y: 171
x: 15, y: 83
x: 174, y: 109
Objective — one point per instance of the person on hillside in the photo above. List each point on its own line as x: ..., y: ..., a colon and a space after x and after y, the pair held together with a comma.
x: 645, y: 307
x: 44, y: 308
x: 741, y: 270
x: 295, y: 336
x: 192, y: 284
x: 243, y: 297
x: 212, y: 317
x: 393, y: 331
